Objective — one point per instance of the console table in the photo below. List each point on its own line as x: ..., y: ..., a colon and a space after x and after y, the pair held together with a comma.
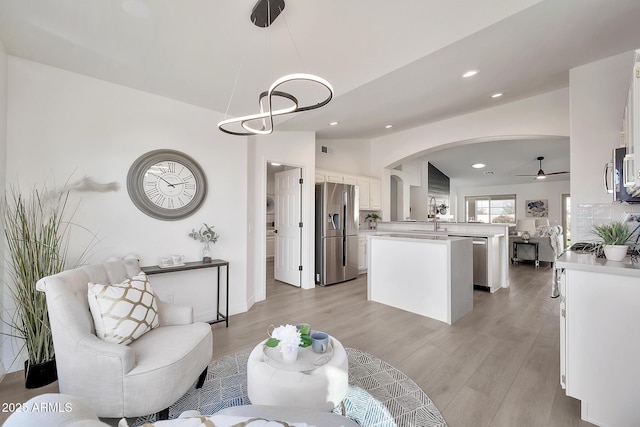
x: 531, y: 245
x: 216, y: 263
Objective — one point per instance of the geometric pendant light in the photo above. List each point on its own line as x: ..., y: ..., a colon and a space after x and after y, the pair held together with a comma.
x: 265, y: 117
x: 263, y: 15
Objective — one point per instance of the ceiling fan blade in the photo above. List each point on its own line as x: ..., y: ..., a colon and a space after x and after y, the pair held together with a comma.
x: 541, y: 174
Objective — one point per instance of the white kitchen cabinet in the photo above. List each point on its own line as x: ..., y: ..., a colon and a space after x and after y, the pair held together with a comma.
x: 364, y: 185
x: 600, y: 349
x: 351, y: 180
x: 333, y: 177
x: 362, y: 254
x: 374, y: 194
x: 631, y: 128
x: 369, y: 187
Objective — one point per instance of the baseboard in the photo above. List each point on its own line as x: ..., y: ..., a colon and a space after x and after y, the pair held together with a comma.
x: 210, y: 315
x: 250, y: 302
x: 12, y: 364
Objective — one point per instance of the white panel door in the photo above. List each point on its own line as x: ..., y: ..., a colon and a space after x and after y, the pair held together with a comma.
x: 288, y: 232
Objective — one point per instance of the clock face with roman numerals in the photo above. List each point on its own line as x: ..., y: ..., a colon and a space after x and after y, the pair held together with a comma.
x: 166, y: 184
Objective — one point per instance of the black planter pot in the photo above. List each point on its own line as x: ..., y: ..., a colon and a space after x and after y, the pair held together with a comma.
x: 40, y: 374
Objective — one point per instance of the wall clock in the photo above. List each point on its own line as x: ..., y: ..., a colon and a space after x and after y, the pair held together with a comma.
x: 166, y: 184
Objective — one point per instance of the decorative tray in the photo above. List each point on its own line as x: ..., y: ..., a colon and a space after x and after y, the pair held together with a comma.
x: 171, y: 265
x: 307, y: 359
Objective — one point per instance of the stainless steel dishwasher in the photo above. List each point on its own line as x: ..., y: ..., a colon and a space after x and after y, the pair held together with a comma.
x: 480, y: 262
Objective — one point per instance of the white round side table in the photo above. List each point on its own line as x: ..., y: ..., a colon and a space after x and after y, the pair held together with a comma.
x: 269, y: 382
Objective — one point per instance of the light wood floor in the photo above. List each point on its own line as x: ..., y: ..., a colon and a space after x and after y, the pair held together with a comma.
x: 497, y: 366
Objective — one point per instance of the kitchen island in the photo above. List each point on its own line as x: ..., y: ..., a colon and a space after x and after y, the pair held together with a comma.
x: 427, y: 275
x: 496, y: 237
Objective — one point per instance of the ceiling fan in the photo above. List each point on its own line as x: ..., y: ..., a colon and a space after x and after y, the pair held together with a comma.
x: 541, y: 174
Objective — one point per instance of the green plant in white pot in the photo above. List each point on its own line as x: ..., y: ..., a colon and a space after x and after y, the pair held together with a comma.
x: 614, y: 238
x: 36, y: 233
x: 372, y: 218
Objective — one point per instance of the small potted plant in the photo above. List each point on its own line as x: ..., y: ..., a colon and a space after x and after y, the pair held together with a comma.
x: 289, y: 339
x: 614, y: 238
x: 372, y: 218
x: 205, y: 235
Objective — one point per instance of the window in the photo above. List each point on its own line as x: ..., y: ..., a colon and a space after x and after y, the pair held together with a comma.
x: 498, y: 209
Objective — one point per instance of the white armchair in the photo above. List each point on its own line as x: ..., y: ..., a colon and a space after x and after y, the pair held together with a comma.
x: 117, y: 380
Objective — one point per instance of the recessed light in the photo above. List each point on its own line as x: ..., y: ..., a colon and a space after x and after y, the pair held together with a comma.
x: 333, y: 123
x: 478, y: 165
x: 496, y: 95
x: 388, y: 126
x: 470, y: 73
x: 275, y: 164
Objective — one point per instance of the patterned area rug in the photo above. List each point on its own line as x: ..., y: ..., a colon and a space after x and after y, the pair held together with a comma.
x: 379, y: 395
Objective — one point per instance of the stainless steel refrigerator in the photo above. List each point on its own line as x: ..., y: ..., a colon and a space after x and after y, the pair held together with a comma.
x: 337, y: 216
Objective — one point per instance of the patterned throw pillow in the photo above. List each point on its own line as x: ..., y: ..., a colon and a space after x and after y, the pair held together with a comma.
x: 123, y: 312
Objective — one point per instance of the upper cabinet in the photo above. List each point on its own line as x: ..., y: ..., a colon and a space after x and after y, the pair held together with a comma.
x: 374, y: 194
x: 369, y: 187
x: 631, y: 131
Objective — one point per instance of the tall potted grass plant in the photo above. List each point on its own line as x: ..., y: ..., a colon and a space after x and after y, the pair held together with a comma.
x: 37, y: 237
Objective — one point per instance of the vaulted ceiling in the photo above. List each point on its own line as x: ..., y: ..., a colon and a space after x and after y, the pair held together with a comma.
x: 391, y: 63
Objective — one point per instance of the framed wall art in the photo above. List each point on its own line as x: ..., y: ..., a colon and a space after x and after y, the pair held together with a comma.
x: 537, y: 208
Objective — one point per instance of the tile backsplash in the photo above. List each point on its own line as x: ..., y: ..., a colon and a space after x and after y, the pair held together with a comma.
x: 588, y: 215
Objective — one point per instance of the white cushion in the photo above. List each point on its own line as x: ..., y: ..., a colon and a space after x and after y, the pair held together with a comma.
x: 125, y: 311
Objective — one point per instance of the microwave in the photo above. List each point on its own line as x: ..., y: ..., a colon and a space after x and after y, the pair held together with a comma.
x: 613, y: 178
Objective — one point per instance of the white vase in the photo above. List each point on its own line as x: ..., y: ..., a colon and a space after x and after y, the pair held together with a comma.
x: 289, y: 354
x: 615, y: 252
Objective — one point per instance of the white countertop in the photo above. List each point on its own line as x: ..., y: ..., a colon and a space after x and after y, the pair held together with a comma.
x: 428, y: 238
x: 463, y: 229
x: 447, y: 233
x: 589, y: 262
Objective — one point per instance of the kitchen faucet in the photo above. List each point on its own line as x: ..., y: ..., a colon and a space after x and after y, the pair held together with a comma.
x: 432, y: 207
x: 432, y: 212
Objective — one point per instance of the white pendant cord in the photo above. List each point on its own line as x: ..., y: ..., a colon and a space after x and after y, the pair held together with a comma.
x: 295, y: 46
x: 235, y: 84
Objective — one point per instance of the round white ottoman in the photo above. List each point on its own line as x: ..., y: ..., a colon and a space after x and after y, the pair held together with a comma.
x: 322, y: 388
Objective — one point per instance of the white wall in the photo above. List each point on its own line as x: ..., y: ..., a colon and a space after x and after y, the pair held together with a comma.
x: 63, y: 124
x: 543, y: 115
x: 292, y: 149
x: 4, y: 354
x: 598, y: 97
x: 345, y: 155
x: 551, y: 191
x: 3, y: 119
